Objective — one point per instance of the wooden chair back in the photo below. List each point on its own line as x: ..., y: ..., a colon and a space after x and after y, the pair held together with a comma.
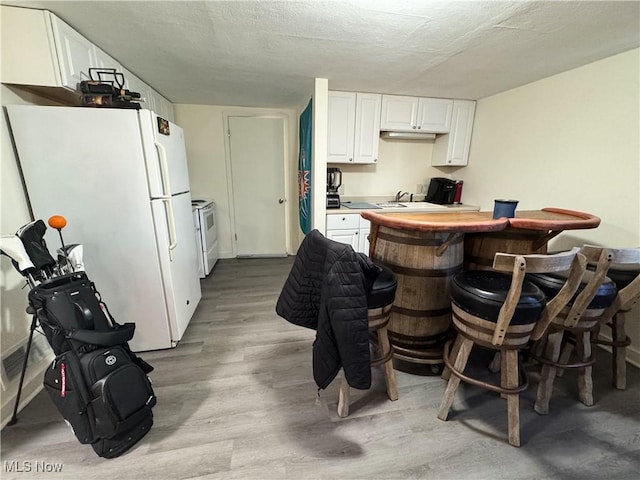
x: 629, y: 295
x: 519, y: 265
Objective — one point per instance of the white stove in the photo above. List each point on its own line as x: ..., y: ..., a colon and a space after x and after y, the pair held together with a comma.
x: 205, y: 222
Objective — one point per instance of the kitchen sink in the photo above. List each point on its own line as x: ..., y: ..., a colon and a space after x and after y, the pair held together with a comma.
x: 421, y: 205
x: 391, y: 205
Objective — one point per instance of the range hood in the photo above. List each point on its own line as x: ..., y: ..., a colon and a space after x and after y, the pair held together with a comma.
x: 429, y: 137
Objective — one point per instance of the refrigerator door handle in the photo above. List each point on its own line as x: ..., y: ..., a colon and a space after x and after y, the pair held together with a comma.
x: 164, y: 168
x: 171, y: 222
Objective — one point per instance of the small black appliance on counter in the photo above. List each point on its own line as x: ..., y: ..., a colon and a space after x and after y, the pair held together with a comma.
x: 334, y: 181
x: 441, y: 191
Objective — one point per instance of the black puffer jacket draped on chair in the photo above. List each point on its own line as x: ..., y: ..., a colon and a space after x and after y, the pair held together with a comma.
x: 327, y: 291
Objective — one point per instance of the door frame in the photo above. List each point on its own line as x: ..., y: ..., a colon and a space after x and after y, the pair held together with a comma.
x: 286, y: 173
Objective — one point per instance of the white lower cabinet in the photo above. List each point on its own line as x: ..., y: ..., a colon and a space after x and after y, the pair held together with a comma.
x: 351, y: 229
x: 363, y: 233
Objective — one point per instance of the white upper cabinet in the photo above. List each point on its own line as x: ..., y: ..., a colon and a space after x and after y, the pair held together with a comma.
x: 367, y: 131
x: 135, y: 84
x: 150, y: 99
x: 434, y: 115
x: 453, y: 149
x: 162, y: 106
x: 415, y: 114
x: 104, y: 60
x: 354, y: 127
x: 342, y: 125
x: 75, y: 54
x: 28, y: 51
x: 39, y: 50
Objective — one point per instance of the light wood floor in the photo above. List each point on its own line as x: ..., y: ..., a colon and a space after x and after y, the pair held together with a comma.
x: 236, y: 400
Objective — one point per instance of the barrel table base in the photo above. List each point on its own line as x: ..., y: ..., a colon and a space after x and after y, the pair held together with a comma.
x: 424, y: 263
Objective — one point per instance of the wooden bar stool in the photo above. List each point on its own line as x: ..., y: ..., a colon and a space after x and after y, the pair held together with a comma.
x: 503, y: 312
x: 575, y: 324
x: 379, y: 302
x: 627, y: 280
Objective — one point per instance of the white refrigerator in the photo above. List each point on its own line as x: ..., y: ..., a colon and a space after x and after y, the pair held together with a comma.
x: 120, y: 178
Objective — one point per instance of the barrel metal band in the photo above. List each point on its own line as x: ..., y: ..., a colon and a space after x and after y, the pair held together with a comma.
x: 436, y: 312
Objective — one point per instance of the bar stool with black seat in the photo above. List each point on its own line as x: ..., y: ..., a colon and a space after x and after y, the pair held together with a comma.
x: 574, y: 325
x: 502, y: 312
x: 379, y: 302
x: 347, y: 299
x: 626, y: 276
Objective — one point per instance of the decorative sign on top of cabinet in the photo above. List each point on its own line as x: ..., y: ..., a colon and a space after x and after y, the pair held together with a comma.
x: 411, y: 114
x: 41, y: 51
x: 354, y: 127
x: 452, y: 149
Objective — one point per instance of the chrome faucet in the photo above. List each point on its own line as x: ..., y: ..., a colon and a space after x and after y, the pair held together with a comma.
x: 400, y: 194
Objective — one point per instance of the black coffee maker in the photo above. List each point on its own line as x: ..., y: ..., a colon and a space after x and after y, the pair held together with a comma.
x: 441, y: 191
x: 334, y: 180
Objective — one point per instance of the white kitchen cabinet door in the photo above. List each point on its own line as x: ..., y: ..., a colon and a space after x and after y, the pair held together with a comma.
x: 399, y: 113
x: 453, y: 149
x: 351, y: 229
x: 135, y: 84
x: 415, y: 114
x: 167, y: 108
x: 365, y: 229
x: 350, y: 237
x: 162, y: 106
x: 104, y: 60
x: 75, y: 54
x: 28, y: 48
x: 341, y: 127
x: 367, y: 128
x: 434, y: 115
x: 363, y: 241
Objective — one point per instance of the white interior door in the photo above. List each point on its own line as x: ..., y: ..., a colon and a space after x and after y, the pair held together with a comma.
x: 257, y: 176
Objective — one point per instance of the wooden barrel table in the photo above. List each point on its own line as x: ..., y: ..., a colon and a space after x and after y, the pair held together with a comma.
x: 424, y: 261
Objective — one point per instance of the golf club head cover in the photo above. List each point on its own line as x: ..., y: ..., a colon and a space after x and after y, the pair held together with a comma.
x: 12, y: 247
x: 32, y: 236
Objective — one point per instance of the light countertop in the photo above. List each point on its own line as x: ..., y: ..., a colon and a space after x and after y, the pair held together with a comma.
x: 412, y: 206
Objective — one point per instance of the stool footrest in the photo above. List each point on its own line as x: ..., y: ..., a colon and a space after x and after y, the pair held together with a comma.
x: 524, y: 382
x: 586, y: 363
x: 383, y: 359
x: 612, y: 343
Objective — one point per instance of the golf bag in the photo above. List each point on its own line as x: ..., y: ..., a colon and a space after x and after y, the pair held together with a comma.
x: 96, y: 382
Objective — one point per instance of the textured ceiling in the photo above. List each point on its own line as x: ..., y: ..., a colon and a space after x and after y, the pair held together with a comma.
x: 267, y: 53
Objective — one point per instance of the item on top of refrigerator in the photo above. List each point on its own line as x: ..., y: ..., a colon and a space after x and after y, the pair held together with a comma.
x: 106, y: 89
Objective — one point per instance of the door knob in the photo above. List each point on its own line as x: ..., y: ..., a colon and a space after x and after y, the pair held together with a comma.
x: 281, y: 200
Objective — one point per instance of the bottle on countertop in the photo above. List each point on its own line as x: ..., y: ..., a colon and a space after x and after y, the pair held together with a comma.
x: 457, y: 195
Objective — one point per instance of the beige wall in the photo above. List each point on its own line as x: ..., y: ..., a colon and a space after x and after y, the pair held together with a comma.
x: 571, y: 141
x: 402, y: 165
x: 205, y: 138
